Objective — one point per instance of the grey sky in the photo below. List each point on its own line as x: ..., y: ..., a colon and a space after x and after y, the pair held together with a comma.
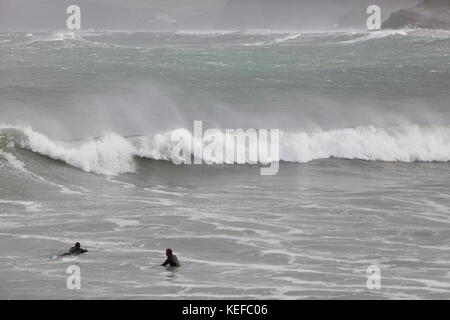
x: 193, y: 14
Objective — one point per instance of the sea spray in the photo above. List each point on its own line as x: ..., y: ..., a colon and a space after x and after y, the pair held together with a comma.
x: 113, y: 154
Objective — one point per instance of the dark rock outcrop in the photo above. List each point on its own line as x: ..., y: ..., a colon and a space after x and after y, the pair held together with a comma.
x: 429, y: 14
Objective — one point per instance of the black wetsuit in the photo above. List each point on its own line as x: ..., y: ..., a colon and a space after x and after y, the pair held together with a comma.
x: 75, y: 251
x: 172, y: 261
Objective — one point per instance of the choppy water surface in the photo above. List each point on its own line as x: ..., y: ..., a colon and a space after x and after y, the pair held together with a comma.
x: 85, y: 121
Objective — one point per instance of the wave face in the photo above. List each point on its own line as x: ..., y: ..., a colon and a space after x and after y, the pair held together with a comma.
x: 113, y: 154
x: 108, y: 155
x: 82, y: 84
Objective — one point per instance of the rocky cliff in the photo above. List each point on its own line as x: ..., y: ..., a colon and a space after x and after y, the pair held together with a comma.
x: 429, y: 14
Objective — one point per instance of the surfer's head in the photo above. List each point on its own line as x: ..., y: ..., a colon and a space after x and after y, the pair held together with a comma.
x: 77, y: 245
x: 169, y: 252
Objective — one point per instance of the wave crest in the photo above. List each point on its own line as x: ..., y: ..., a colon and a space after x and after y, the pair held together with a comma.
x: 109, y: 155
x: 113, y: 154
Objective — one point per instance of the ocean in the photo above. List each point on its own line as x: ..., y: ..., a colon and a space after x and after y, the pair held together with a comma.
x: 85, y: 155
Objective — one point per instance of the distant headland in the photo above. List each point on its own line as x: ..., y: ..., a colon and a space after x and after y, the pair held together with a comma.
x: 429, y: 14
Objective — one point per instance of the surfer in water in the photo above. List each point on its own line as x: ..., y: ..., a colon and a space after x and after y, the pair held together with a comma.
x: 171, y: 260
x: 75, y: 250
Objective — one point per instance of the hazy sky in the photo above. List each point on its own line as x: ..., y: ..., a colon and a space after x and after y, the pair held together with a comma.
x: 193, y: 14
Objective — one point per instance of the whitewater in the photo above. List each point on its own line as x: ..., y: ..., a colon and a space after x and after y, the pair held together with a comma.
x: 86, y: 154
x: 113, y: 154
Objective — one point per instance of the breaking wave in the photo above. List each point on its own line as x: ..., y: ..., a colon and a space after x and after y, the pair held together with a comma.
x: 113, y: 154
x: 142, y: 40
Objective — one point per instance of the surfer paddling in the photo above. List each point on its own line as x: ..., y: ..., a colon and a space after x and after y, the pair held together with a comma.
x: 171, y: 260
x: 75, y: 250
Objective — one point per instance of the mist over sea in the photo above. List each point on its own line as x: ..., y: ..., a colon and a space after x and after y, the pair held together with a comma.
x: 85, y: 121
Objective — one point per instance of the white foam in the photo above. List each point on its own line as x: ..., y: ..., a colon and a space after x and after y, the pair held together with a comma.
x: 13, y: 161
x: 54, y: 37
x: 402, y: 144
x: 29, y: 205
x: 123, y: 222
x: 108, y: 155
x: 288, y: 38
x: 113, y: 154
x: 375, y: 35
x: 396, y: 144
x: 206, y: 32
